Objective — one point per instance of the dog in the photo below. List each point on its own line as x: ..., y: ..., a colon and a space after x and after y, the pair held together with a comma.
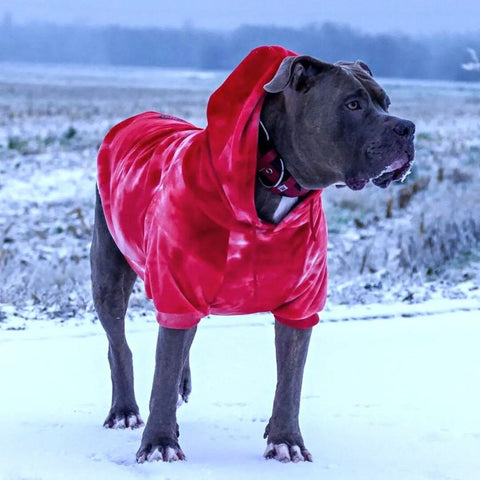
x: 228, y: 220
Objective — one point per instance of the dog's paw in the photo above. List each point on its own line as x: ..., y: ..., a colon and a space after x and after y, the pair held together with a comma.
x: 123, y: 420
x: 160, y: 453
x: 287, y: 453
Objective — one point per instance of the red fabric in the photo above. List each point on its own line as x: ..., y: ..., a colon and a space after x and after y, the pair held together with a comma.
x: 179, y: 203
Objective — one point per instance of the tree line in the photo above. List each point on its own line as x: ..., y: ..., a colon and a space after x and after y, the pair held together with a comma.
x: 388, y: 55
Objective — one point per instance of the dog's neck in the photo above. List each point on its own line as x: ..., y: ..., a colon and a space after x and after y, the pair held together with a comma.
x: 276, y: 190
x: 271, y: 170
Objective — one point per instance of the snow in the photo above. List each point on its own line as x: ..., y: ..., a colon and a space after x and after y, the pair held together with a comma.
x: 384, y: 398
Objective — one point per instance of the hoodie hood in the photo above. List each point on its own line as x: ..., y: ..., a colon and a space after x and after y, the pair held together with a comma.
x: 233, y: 116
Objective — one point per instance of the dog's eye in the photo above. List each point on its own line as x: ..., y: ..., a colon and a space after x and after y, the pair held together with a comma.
x: 353, y: 105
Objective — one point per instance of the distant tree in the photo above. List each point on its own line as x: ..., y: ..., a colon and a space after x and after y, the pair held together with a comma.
x: 388, y: 55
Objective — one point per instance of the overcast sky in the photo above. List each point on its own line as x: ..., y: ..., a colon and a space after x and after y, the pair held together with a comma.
x: 408, y: 16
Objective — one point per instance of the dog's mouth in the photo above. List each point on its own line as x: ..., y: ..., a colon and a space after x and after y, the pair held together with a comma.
x: 397, y: 171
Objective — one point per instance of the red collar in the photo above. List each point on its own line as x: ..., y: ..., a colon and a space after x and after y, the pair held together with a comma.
x: 272, y: 173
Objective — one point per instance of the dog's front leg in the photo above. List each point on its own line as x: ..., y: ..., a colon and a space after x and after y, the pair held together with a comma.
x: 284, y: 440
x: 160, y: 438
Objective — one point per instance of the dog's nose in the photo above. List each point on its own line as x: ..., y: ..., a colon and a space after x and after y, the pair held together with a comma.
x: 404, y: 128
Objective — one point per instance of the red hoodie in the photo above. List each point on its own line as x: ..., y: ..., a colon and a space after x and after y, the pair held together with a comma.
x: 179, y: 203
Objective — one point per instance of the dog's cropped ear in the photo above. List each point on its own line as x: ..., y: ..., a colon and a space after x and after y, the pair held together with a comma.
x: 364, y: 66
x: 296, y: 71
x: 358, y: 64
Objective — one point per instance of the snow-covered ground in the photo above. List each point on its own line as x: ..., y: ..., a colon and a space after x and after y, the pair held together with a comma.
x: 394, y: 398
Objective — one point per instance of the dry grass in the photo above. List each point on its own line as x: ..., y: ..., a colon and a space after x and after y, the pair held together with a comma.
x: 405, y: 243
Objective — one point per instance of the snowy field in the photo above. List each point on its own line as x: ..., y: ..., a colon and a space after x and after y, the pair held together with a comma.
x: 393, y: 395
x: 395, y: 398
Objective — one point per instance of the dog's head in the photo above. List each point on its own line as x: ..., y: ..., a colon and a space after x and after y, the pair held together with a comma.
x: 331, y: 124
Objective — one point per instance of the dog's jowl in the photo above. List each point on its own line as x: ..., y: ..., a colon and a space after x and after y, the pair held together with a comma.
x: 210, y: 219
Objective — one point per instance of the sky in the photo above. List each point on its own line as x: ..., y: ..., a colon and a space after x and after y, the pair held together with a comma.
x: 372, y: 16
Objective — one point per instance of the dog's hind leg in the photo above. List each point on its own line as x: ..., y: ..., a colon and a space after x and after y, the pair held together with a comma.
x: 112, y: 283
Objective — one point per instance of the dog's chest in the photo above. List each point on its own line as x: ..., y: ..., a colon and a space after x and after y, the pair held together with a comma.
x: 286, y: 204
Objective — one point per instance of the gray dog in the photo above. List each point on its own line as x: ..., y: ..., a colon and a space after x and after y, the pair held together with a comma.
x: 228, y: 219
